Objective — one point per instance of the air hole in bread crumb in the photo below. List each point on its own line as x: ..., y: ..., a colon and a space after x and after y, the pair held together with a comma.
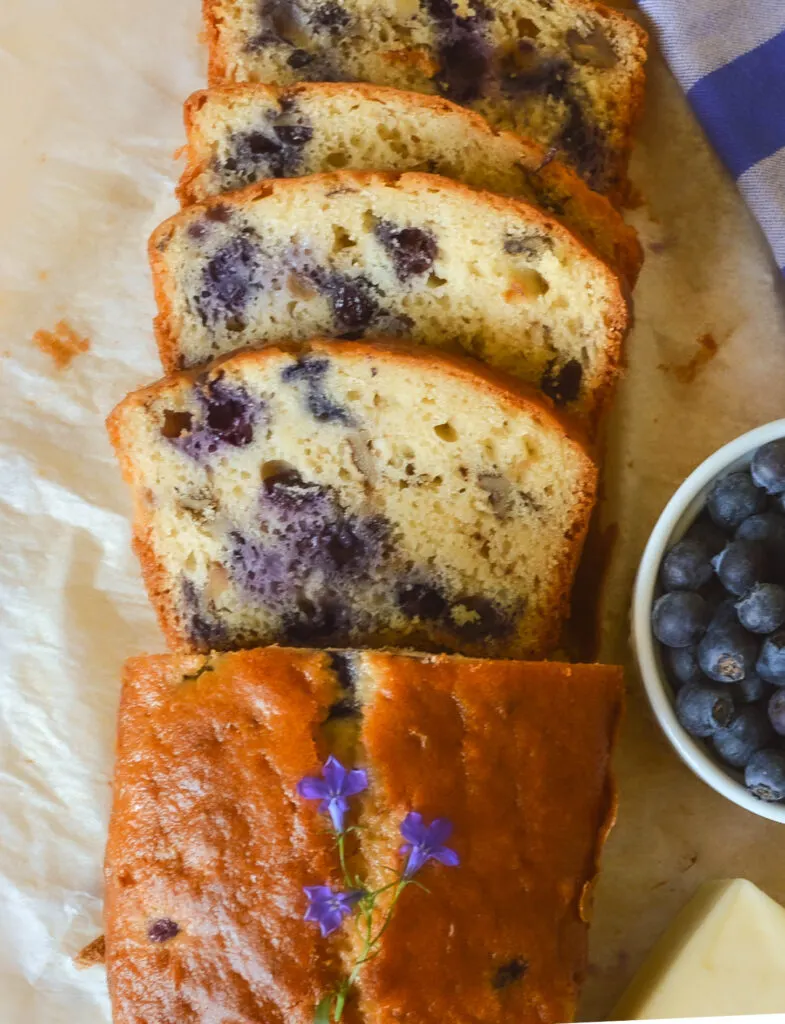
x: 342, y: 239
x: 446, y: 432
x: 176, y: 423
x: 527, y: 28
x: 434, y: 281
x: 276, y: 467
x: 526, y: 284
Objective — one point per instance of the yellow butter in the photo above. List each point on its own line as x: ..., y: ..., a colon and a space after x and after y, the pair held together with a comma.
x: 724, y: 954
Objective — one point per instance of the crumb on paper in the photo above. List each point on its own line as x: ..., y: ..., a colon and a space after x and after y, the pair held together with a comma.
x: 43, y: 275
x: 685, y: 373
x: 63, y: 344
x: 180, y: 152
x: 92, y: 955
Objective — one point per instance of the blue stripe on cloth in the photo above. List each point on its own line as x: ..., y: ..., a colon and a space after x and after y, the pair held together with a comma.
x: 742, y: 105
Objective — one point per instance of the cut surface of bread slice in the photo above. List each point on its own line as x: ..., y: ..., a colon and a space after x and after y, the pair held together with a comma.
x: 414, y: 255
x: 346, y: 493
x: 242, y: 134
x: 210, y: 847
x: 568, y: 73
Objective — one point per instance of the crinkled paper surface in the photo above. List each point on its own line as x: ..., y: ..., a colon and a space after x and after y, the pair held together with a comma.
x: 91, y: 118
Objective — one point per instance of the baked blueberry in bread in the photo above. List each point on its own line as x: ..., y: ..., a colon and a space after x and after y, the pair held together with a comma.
x: 353, y: 254
x: 210, y: 847
x: 241, y: 134
x: 568, y: 73
x: 354, y: 494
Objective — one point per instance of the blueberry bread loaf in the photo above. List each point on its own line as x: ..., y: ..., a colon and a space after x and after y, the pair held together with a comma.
x: 210, y: 847
x: 345, y: 493
x: 568, y: 73
x: 242, y: 134
x: 353, y: 254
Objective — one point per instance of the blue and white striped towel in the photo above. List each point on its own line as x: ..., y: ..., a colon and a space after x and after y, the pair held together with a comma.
x: 729, y: 56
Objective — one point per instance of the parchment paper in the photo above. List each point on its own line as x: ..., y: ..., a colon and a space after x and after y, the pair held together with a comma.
x: 92, y: 91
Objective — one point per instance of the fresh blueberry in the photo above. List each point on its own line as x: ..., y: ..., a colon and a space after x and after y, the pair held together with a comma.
x: 727, y: 653
x: 421, y: 601
x: 771, y: 663
x: 412, y: 250
x: 747, y: 733
x: 776, y: 710
x: 680, y: 619
x: 230, y: 279
x: 702, y: 710
x: 687, y: 566
x: 742, y: 564
x: 768, y: 467
x: 705, y: 531
x: 762, y: 609
x: 765, y: 775
x: 683, y: 664
x: 724, y: 613
x: 752, y: 688
x: 562, y: 384
x: 769, y: 529
x: 733, y: 499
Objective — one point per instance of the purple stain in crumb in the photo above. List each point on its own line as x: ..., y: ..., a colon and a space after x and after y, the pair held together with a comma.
x: 265, y: 153
x: 228, y: 417
x: 330, y: 16
x: 230, y: 280
x: 562, y: 383
x: 204, y: 629
x: 311, y: 371
x: 421, y: 601
x: 412, y: 250
x: 310, y: 546
x: 162, y: 930
x: 487, y: 620
x: 464, y: 52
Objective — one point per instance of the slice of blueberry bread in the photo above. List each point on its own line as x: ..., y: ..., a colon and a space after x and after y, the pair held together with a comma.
x: 357, y: 253
x: 241, y: 134
x: 349, y: 493
x: 569, y: 73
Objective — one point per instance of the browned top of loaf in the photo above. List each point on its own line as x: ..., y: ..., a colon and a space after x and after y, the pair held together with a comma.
x: 206, y: 835
x: 582, y: 204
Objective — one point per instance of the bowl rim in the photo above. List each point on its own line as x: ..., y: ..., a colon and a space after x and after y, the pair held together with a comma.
x: 678, y: 513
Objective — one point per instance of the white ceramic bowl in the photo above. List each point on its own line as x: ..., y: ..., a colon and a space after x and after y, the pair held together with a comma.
x: 678, y: 515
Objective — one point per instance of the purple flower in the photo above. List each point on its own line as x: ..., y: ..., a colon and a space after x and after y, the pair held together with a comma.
x: 334, y: 789
x: 426, y: 842
x: 328, y: 908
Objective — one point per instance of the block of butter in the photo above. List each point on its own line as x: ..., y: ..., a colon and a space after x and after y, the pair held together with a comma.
x: 724, y: 954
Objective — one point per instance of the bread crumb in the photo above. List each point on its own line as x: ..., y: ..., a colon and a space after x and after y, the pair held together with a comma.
x: 180, y: 152
x: 686, y: 373
x: 63, y: 344
x: 93, y: 954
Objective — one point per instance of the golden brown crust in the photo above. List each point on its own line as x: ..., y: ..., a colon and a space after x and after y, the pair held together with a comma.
x: 502, y: 388
x: 207, y: 834
x: 587, y: 211
x: 617, y: 318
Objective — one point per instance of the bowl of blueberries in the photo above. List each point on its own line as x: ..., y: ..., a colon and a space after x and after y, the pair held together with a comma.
x: 709, y: 621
